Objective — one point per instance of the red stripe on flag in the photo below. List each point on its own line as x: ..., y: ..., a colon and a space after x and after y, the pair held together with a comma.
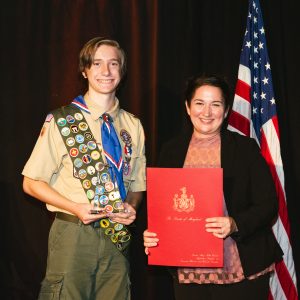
x: 286, y: 281
x: 270, y: 296
x: 280, y: 193
x: 275, y: 122
x: 242, y: 89
x: 239, y: 122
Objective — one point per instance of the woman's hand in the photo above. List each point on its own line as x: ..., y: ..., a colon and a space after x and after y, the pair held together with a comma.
x: 220, y: 227
x: 150, y: 240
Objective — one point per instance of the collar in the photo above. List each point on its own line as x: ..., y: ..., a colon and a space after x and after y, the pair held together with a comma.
x: 95, y: 110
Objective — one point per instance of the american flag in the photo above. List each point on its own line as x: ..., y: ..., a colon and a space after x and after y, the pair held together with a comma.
x: 254, y: 115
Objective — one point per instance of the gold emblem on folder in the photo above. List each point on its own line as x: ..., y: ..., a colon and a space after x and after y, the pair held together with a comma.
x: 183, y: 203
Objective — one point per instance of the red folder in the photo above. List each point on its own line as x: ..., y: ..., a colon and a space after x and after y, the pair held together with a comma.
x: 178, y: 202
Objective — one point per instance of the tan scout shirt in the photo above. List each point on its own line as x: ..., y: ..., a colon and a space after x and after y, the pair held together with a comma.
x: 51, y: 163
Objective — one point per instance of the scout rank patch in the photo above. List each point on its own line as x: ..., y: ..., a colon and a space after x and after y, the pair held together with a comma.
x: 126, y: 138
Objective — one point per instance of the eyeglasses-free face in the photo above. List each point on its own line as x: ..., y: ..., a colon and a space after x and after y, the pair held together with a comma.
x: 206, y: 111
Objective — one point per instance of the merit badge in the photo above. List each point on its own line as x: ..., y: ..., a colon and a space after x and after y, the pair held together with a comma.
x: 83, y: 148
x: 74, y: 128
x: 103, y: 199
x: 104, y: 177
x: 118, y: 205
x: 91, y: 170
x: 109, y: 231
x: 113, y: 196
x: 109, y: 186
x: 125, y: 136
x: 86, y: 184
x: 61, y: 122
x: 79, y: 138
x: 78, y: 116
x: 65, y: 131
x: 108, y: 208
x: 78, y: 163
x: 118, y: 227
x: 74, y: 152
x: 90, y: 194
x: 114, y: 238
x: 117, y: 195
x: 104, y: 223
x: 125, y: 238
x: 70, y: 119
x: 82, y: 173
x: 94, y: 180
x: 88, y: 136
x: 95, y: 155
x: 99, y: 190
x: 83, y: 126
x: 70, y: 141
x: 86, y: 158
x: 99, y: 166
x: 92, y: 145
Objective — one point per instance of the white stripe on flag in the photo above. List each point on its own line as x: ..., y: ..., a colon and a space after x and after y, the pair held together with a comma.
x: 242, y: 106
x: 274, y: 148
x: 244, y: 74
x: 285, y: 245
x: 275, y: 287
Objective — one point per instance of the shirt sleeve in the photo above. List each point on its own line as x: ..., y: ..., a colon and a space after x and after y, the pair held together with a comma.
x: 138, y: 174
x: 46, y: 157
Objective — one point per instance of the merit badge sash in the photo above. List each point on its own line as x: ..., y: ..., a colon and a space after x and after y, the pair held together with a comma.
x: 89, y: 167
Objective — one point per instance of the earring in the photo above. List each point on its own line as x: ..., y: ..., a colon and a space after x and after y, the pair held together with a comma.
x: 84, y: 75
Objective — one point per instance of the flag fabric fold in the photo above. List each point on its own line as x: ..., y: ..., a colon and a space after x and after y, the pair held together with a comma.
x: 254, y: 114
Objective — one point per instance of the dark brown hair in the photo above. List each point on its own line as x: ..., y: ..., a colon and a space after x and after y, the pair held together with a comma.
x: 199, y: 80
x: 88, y: 51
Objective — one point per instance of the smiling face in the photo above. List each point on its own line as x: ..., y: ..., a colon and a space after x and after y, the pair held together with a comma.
x: 104, y: 74
x: 206, y: 111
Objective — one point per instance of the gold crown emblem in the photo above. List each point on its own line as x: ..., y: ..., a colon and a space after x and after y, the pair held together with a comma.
x: 183, y: 203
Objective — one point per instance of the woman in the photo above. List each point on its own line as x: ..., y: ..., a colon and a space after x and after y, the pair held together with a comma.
x: 250, y: 204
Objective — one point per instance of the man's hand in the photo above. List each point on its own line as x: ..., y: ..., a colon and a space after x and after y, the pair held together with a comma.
x: 126, y: 217
x: 84, y: 212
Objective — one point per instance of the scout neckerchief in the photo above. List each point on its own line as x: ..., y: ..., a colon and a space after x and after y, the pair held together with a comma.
x: 113, y: 152
x: 95, y: 176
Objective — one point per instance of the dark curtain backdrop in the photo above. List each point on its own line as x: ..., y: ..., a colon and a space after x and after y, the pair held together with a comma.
x: 166, y: 41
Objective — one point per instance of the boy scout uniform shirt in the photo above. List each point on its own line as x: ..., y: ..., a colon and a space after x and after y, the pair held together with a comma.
x: 50, y: 161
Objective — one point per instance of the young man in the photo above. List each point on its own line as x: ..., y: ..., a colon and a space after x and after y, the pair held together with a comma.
x: 88, y: 166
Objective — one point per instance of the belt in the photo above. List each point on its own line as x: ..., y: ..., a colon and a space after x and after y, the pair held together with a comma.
x: 74, y: 219
x: 67, y: 217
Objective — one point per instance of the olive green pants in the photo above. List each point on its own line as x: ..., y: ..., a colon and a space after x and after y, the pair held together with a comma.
x: 83, y: 264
